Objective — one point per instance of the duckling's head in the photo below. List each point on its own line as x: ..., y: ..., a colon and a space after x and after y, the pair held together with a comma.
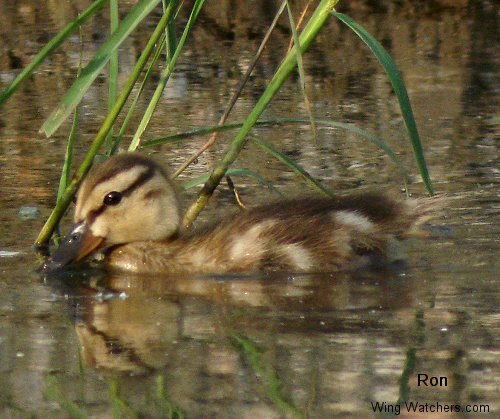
x: 127, y: 198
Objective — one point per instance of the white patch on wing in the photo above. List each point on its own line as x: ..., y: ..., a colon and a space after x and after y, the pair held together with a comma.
x: 199, y: 257
x: 298, y: 256
x: 248, y: 243
x: 355, y: 220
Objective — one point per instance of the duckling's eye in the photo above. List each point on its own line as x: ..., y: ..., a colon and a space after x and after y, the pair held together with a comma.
x: 112, y: 198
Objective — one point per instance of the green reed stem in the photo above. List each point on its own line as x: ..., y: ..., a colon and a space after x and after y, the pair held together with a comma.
x: 316, y: 22
x: 49, y: 48
x: 131, y: 109
x: 63, y: 203
x: 280, y: 121
x: 231, y: 172
x: 167, y: 41
x: 166, y: 74
x: 171, y: 43
x: 300, y: 68
x: 236, y: 94
x: 113, y: 70
x: 75, y: 93
x: 297, y: 168
x: 68, y: 156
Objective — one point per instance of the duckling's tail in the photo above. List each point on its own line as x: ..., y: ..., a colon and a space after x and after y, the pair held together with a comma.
x: 419, y: 211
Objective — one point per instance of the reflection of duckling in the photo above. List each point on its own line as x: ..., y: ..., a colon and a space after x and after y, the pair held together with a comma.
x: 128, y: 206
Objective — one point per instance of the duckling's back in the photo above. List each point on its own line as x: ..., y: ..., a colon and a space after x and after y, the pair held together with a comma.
x: 317, y: 234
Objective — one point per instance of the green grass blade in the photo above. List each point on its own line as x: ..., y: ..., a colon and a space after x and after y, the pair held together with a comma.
x: 113, y: 70
x: 68, y: 156
x: 168, y: 41
x: 399, y: 88
x: 131, y: 110
x: 236, y: 93
x: 279, y: 121
x: 49, y: 48
x: 300, y: 68
x: 172, y: 138
x: 231, y: 172
x: 171, y: 43
x: 314, y: 25
x: 370, y: 137
x: 75, y: 93
x: 297, y: 168
x: 63, y: 203
x: 166, y: 74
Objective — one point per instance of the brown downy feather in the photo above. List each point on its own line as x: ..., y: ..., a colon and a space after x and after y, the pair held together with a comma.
x: 301, y: 235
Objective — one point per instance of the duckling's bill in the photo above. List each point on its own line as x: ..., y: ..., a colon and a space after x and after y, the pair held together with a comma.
x: 79, y: 243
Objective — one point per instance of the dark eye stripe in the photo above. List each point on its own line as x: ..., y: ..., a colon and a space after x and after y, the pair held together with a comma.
x: 94, y: 214
x: 123, y: 163
x: 141, y: 180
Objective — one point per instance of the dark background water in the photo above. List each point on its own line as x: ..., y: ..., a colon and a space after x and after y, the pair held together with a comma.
x: 335, y: 343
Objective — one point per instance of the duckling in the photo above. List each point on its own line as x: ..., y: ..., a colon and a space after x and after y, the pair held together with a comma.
x: 128, y: 208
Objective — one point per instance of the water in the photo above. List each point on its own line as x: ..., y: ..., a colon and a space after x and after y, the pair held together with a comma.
x: 275, y: 345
